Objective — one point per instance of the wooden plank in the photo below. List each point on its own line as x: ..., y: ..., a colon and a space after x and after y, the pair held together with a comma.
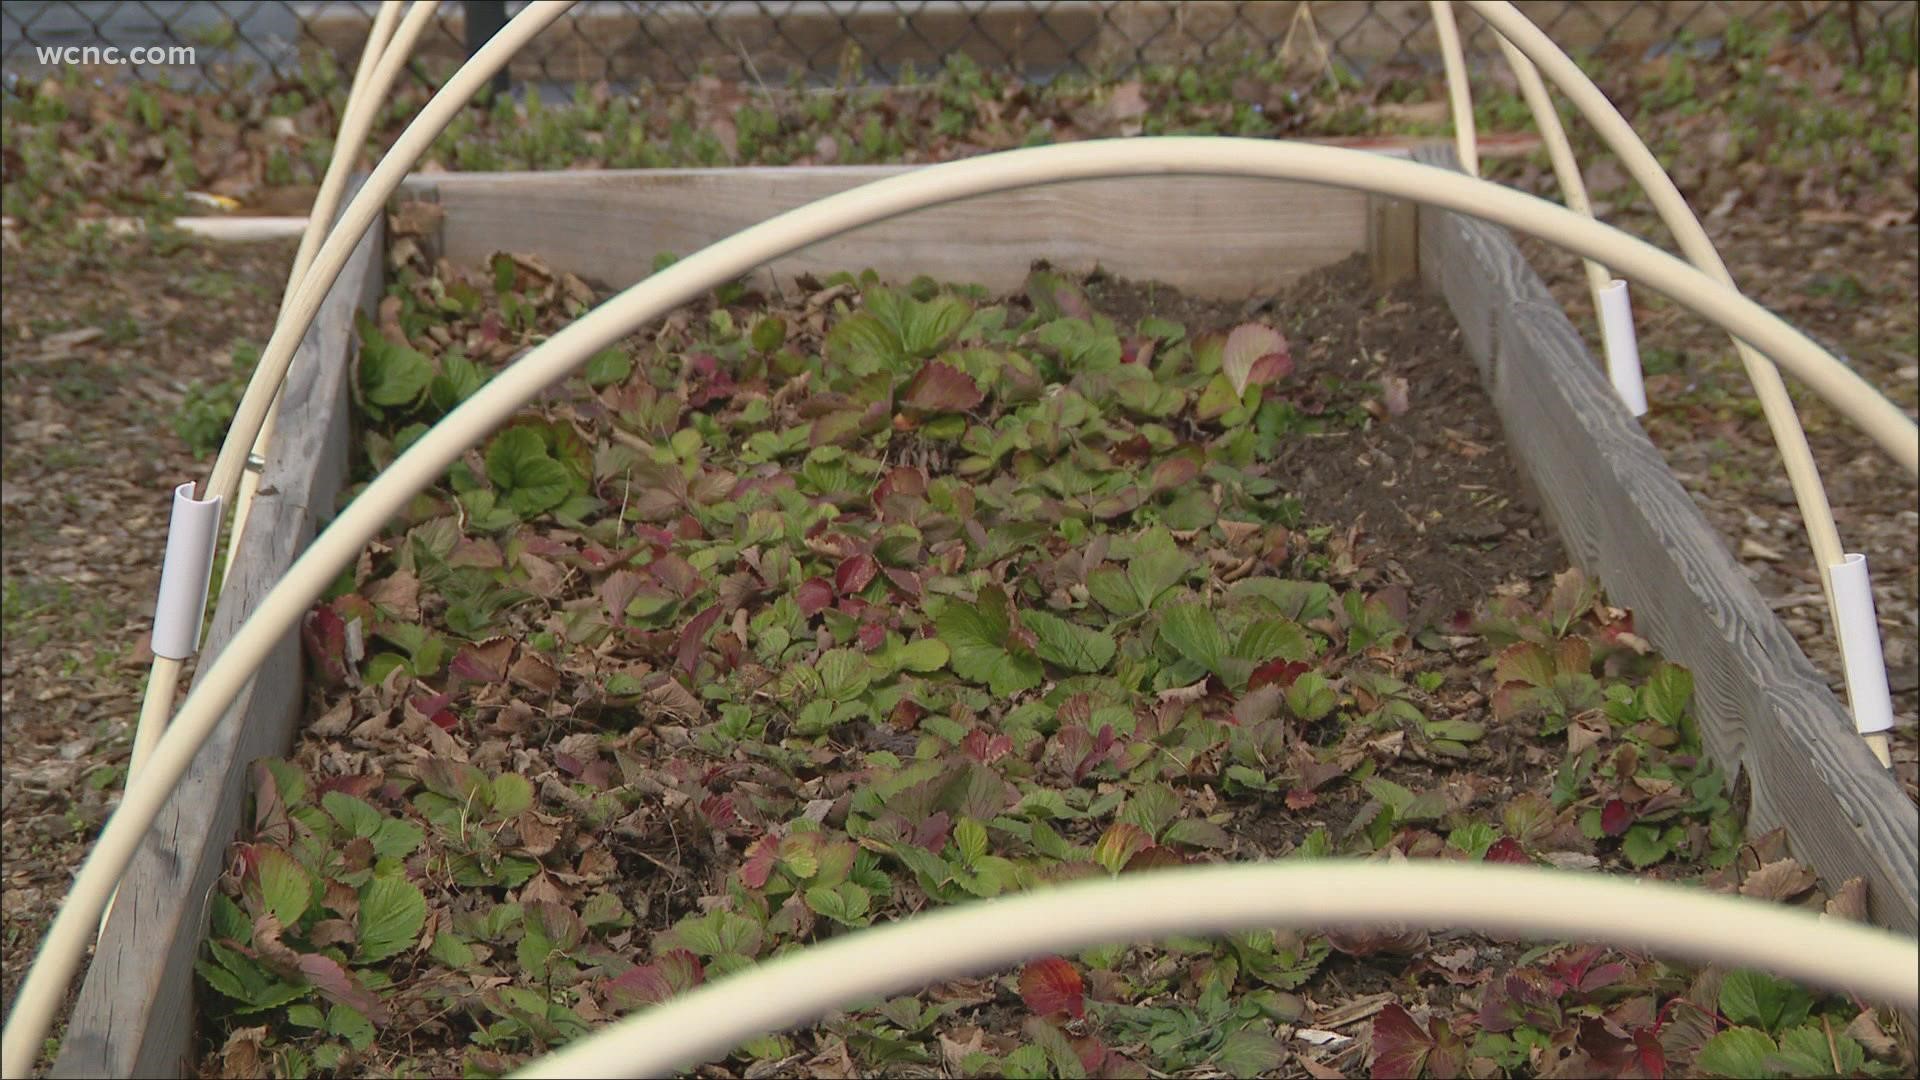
x: 1216, y: 236
x: 135, y: 1015
x: 1393, y: 238
x: 1761, y: 705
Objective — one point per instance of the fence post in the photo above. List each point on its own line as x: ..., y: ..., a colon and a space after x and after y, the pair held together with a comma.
x: 484, y: 19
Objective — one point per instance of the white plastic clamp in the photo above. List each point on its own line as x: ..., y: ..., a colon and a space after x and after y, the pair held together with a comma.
x: 182, y: 603
x: 1860, y: 649
x: 1623, y: 346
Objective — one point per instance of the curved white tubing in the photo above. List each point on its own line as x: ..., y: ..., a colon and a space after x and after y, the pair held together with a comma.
x: 366, y: 205
x: 1466, y: 141
x: 1816, y: 512
x: 1566, y: 170
x: 986, y: 935
x: 380, y: 65
x: 309, y: 576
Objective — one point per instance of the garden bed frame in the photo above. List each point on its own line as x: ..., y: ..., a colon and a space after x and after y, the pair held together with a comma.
x: 1621, y: 515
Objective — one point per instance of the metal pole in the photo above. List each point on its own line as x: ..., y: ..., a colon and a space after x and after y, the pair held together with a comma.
x: 484, y: 19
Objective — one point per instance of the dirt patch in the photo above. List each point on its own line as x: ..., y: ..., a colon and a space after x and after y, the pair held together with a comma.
x: 104, y: 344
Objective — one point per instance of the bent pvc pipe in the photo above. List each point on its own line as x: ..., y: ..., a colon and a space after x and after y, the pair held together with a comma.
x: 359, y: 215
x: 986, y: 935
x: 1459, y: 91
x: 308, y: 578
x: 1622, y: 347
x: 1823, y: 535
x: 386, y: 54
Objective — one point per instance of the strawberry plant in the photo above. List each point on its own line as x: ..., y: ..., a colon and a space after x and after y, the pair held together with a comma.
x: 789, y: 618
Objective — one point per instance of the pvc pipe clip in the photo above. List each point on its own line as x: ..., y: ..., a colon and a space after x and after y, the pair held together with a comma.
x: 1623, y: 346
x: 1860, y: 650
x: 182, y: 604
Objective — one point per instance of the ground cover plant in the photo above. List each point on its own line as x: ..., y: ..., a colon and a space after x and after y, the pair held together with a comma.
x: 803, y: 612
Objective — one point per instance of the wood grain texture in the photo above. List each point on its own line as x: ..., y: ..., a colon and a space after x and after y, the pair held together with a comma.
x: 1225, y: 238
x: 135, y: 1015
x: 1393, y: 239
x: 1762, y: 706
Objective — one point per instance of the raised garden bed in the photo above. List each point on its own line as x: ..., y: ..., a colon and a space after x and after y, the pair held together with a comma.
x: 1313, y: 615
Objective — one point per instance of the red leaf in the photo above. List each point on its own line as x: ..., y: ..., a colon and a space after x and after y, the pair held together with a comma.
x: 718, y: 811
x: 686, y: 652
x: 1050, y: 985
x: 985, y: 747
x: 1119, y: 844
x: 1616, y: 817
x: 1300, y: 800
x: 1279, y: 673
x: 906, y: 581
x: 334, y: 984
x: 1400, y: 1045
x: 325, y: 636
x: 1508, y: 850
x: 872, y: 636
x: 932, y: 833
x: 1153, y: 858
x: 942, y: 387
x: 813, y: 596
x: 759, y: 864
x: 674, y: 972
x: 855, y: 573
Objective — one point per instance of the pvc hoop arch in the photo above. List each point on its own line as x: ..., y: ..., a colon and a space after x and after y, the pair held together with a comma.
x: 986, y: 935
x: 283, y: 606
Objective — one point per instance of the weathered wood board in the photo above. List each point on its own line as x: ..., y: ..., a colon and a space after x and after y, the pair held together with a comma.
x: 1220, y: 237
x: 1762, y: 706
x: 135, y: 1015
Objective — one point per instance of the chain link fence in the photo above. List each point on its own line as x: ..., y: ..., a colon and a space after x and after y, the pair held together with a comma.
x: 229, y: 45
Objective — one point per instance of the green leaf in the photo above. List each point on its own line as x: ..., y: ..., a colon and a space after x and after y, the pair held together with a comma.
x: 1644, y: 845
x: 393, y: 375
x: 1152, y: 808
x: 1273, y: 639
x: 1111, y: 587
x: 531, y: 480
x: 845, y: 903
x: 1068, y: 645
x: 1154, y: 572
x: 357, y: 816
x: 509, y: 794
x: 608, y: 366
x: 392, y: 913
x: 923, y: 654
x: 350, y: 1024
x: 459, y: 379
x: 285, y: 888
x: 844, y: 674
x: 1249, y: 1053
x: 1190, y: 628
x: 970, y: 837
x: 977, y: 638
x: 396, y: 838
x: 1736, y: 1052
x: 1760, y: 1000
x: 1667, y: 692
